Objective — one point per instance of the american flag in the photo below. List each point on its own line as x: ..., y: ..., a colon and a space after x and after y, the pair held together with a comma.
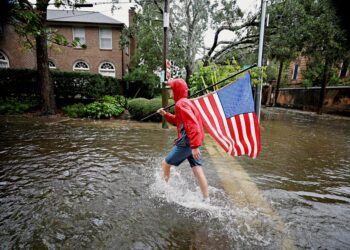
x: 229, y: 116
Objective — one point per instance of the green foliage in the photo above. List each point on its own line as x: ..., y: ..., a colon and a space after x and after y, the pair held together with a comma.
x: 141, y: 82
x: 18, y: 105
x: 122, y: 101
x: 75, y: 110
x: 67, y: 84
x: 106, y: 108
x: 271, y: 72
x: 313, y: 76
x: 148, y: 31
x: 141, y: 107
x: 103, y: 110
x: 206, y: 76
x: 136, y: 108
x: 17, y: 82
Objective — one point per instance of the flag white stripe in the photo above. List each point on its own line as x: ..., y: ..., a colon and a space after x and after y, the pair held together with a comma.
x: 235, y: 130
x: 223, y: 117
x: 217, y: 125
x: 244, y: 132
x: 252, y: 128
x: 196, y: 102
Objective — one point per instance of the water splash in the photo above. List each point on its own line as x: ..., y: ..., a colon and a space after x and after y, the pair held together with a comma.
x: 239, y: 224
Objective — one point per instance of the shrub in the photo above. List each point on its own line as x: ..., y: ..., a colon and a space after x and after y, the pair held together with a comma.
x: 18, y: 105
x: 141, y: 107
x: 75, y: 110
x: 106, y: 108
x: 17, y: 82
x: 70, y: 84
x: 141, y: 82
x: 136, y: 108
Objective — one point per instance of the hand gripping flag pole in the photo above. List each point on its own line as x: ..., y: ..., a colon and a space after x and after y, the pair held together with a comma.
x: 202, y: 90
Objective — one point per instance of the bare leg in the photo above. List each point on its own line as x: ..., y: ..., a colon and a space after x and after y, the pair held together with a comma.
x: 166, y: 170
x: 198, y: 172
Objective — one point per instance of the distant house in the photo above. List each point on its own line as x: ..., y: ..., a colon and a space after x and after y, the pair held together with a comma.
x: 100, y: 33
x: 298, y: 66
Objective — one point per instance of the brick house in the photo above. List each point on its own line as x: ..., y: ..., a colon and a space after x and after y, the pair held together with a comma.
x: 100, y: 33
x: 298, y: 66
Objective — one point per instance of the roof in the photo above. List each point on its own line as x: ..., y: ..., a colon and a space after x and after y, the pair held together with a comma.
x: 74, y: 16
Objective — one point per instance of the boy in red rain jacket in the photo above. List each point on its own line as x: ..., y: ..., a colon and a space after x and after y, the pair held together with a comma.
x: 190, y: 135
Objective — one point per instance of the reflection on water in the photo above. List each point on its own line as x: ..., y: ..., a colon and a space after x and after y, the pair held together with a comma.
x: 97, y: 185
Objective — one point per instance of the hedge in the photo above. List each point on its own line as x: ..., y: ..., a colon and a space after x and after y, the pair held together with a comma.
x: 141, y: 107
x: 18, y: 82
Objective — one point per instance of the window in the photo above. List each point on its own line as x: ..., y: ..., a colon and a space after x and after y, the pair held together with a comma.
x: 80, y: 34
x: 81, y: 66
x: 107, y: 69
x: 52, y: 65
x: 295, y: 72
x: 105, y: 39
x: 344, y: 69
x: 127, y: 50
x: 4, y: 61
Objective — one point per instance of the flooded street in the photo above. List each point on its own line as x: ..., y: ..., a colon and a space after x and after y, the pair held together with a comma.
x: 82, y: 184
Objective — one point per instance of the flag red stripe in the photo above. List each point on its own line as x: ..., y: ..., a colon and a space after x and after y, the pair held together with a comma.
x: 257, y: 133
x: 206, y: 122
x: 215, y: 104
x: 240, y: 133
x: 215, y: 122
x: 235, y: 138
x: 249, y: 134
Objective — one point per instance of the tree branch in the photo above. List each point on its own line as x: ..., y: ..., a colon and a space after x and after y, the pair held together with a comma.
x: 250, y: 22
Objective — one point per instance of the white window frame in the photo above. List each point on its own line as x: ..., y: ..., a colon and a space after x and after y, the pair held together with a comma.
x: 75, y: 68
x: 4, y: 61
x: 107, y: 72
x: 105, y: 36
x: 81, y: 38
x: 53, y: 66
x: 297, y: 73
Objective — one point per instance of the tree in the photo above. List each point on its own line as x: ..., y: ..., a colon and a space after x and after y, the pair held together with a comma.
x: 190, y: 19
x: 326, y: 41
x: 29, y: 20
x: 282, y: 36
x: 309, y: 28
x: 227, y: 16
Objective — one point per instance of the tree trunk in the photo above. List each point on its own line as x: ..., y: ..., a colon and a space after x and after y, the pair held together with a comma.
x: 323, y: 86
x: 47, y: 91
x: 278, y: 83
x: 188, y: 72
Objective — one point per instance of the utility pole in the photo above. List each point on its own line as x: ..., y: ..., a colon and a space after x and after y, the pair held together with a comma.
x: 165, y: 53
x: 260, y: 57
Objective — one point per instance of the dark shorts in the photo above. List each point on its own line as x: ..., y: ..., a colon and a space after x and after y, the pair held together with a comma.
x: 178, y: 154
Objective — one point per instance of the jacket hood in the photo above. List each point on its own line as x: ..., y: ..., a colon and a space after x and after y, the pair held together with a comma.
x: 179, y: 88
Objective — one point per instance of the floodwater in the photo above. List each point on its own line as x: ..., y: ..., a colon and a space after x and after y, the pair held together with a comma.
x: 82, y: 184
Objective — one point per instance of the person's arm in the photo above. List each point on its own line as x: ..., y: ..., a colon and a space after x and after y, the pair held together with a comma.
x: 168, y: 116
x: 192, y: 127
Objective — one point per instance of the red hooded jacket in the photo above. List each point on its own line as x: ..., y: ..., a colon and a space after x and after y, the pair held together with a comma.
x: 185, y: 113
